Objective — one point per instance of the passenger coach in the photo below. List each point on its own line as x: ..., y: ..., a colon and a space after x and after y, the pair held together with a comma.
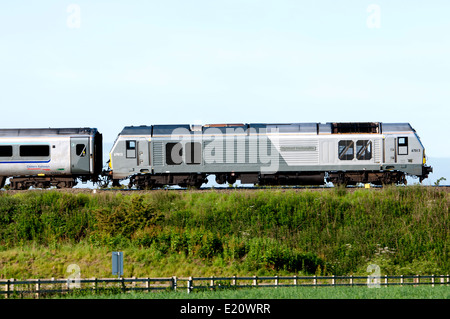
x: 50, y: 157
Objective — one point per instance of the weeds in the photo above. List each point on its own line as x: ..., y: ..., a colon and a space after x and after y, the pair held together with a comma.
x: 328, y: 232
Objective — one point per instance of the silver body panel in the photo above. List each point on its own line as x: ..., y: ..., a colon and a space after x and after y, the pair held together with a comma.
x: 263, y: 148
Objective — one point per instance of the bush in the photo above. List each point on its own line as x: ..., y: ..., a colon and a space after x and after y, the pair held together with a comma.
x: 131, y: 214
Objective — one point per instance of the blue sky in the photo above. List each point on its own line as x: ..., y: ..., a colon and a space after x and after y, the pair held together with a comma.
x: 108, y: 64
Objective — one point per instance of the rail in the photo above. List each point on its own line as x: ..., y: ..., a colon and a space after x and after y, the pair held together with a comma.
x: 40, y: 287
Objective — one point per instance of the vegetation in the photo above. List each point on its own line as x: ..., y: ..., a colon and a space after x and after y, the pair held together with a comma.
x: 392, y: 292
x: 404, y: 230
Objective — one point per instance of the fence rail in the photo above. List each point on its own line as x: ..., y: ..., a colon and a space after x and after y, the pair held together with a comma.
x: 38, y: 287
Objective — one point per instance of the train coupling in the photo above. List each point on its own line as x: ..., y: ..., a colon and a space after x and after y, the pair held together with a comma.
x: 426, y: 170
x: 107, y: 172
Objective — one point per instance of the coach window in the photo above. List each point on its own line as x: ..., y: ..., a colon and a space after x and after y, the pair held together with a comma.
x: 131, y: 149
x: 174, y: 153
x: 364, y: 150
x: 346, y: 150
x: 34, y: 150
x: 6, y: 151
x: 193, y: 153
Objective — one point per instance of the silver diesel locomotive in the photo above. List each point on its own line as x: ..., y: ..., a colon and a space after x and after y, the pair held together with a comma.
x: 268, y: 154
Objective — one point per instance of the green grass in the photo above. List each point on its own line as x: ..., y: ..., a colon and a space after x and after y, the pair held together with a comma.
x: 404, y: 230
x: 392, y: 292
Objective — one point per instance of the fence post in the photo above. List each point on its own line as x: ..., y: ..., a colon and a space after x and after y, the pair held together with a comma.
x: 333, y: 281
x: 432, y: 280
x: 10, y: 286
x: 38, y: 288
x: 212, y: 283
x: 234, y: 281
x: 123, y: 284
x: 174, y: 283
x: 401, y: 280
x: 189, y: 285
x: 94, y: 284
x: 295, y: 280
x: 416, y: 280
x: 351, y: 280
x: 315, y: 281
x: 255, y: 280
x: 7, y: 289
x: 53, y: 283
x: 386, y: 280
x: 276, y: 281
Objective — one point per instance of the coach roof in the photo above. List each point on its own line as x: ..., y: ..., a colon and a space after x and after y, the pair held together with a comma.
x: 47, y: 131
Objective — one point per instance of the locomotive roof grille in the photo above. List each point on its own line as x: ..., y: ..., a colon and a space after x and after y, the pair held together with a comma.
x: 356, y: 127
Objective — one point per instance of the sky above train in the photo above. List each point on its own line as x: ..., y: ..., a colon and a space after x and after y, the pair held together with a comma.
x: 109, y: 64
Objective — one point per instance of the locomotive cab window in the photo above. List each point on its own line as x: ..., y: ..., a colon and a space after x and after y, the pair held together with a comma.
x: 131, y: 149
x: 402, y: 146
x: 174, y: 153
x: 34, y: 150
x: 364, y: 150
x: 80, y: 150
x: 346, y: 150
x: 6, y: 151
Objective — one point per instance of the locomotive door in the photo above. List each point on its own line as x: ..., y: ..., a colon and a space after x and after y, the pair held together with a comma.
x: 390, y: 150
x: 79, y: 155
x: 143, y: 158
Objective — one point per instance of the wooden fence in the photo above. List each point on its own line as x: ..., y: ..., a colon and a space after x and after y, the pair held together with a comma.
x: 39, y: 287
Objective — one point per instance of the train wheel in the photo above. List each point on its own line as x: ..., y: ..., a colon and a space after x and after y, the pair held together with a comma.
x: 195, y: 185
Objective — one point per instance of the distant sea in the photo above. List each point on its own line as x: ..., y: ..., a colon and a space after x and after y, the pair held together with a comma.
x: 441, y: 168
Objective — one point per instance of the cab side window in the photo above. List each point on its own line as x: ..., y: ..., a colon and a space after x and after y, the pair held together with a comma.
x: 131, y: 149
x: 403, y: 146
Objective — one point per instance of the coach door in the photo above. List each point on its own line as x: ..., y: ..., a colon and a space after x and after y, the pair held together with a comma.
x: 79, y: 155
